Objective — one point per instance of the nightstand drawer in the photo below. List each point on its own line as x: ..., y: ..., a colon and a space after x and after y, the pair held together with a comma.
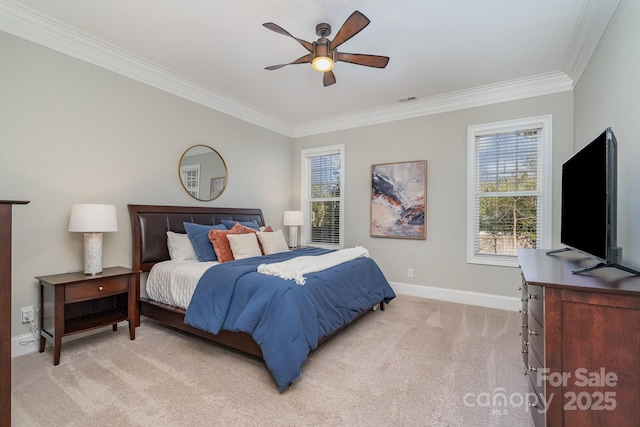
x: 95, y: 289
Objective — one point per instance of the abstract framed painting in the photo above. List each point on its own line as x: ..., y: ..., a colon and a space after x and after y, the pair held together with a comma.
x: 399, y: 200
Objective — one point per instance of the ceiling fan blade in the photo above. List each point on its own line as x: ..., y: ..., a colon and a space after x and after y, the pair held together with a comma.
x: 328, y: 78
x: 306, y: 59
x: 352, y: 26
x: 280, y: 30
x: 375, y: 61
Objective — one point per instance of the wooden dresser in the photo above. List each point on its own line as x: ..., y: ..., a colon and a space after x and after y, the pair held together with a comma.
x: 580, y: 341
x: 5, y: 310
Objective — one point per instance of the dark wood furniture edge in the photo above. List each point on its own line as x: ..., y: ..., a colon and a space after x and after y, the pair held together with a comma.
x: 5, y: 308
x: 56, y: 323
x: 174, y: 316
x: 607, y: 280
x: 570, y: 300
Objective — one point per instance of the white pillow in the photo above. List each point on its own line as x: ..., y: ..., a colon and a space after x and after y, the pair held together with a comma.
x: 244, y: 245
x: 180, y: 247
x: 272, y: 242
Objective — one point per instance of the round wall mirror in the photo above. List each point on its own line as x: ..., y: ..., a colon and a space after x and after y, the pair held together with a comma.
x: 202, y: 172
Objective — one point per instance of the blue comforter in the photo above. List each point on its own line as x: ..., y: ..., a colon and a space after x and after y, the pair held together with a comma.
x: 285, y: 319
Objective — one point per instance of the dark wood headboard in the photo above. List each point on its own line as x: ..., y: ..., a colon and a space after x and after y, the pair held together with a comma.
x: 150, y: 223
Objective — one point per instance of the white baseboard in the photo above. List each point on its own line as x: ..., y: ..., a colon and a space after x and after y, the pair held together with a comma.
x: 24, y: 344
x: 461, y: 297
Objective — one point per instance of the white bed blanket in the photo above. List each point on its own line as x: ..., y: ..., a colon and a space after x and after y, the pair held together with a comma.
x: 296, y: 268
x: 173, y: 282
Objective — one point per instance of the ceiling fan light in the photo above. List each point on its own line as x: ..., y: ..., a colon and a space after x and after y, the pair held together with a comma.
x: 322, y: 64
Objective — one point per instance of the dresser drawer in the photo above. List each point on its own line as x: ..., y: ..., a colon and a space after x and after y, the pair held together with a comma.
x: 96, y: 289
x: 536, y: 376
x: 524, y: 324
x: 525, y: 352
x: 536, y: 406
x: 536, y: 302
x: 536, y: 338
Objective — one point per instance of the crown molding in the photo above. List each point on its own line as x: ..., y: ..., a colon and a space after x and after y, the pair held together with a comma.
x: 543, y: 84
x: 30, y: 25
x: 592, y: 22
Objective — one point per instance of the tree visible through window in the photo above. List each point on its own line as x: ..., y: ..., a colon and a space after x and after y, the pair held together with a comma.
x: 507, y: 189
x: 323, y: 196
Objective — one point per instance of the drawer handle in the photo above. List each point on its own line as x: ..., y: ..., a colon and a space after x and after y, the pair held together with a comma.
x: 100, y: 288
x: 531, y: 296
x: 533, y: 404
x: 532, y: 369
x: 532, y: 332
x: 524, y: 351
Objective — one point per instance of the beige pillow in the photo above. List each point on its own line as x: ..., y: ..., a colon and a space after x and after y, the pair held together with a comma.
x: 244, y: 245
x: 272, y: 242
x: 180, y: 247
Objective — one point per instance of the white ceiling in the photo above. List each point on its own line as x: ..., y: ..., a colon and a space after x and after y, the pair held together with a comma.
x: 447, y: 54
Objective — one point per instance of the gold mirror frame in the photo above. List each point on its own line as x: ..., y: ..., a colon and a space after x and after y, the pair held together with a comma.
x: 202, y: 173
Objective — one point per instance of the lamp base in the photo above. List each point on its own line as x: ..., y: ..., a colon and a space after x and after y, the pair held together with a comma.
x: 92, y: 253
x: 293, y: 236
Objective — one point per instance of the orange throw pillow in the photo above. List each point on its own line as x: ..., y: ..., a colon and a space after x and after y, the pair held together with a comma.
x: 218, y: 239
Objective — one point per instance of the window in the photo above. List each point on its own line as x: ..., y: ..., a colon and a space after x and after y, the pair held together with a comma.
x: 508, y: 189
x: 323, y: 196
x: 191, y: 179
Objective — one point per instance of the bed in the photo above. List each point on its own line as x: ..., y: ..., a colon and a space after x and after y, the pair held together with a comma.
x: 150, y: 224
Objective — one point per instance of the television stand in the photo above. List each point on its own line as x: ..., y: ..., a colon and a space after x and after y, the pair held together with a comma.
x: 605, y: 265
x: 596, y: 266
x: 555, y: 251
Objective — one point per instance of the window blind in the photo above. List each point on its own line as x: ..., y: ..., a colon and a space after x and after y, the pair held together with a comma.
x: 507, y: 191
x: 323, y: 201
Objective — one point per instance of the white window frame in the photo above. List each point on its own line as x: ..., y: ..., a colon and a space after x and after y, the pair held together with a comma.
x: 544, y: 184
x: 305, y: 192
x: 190, y: 175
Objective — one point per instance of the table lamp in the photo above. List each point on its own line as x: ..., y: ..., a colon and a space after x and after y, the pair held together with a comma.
x: 293, y: 219
x: 93, y: 220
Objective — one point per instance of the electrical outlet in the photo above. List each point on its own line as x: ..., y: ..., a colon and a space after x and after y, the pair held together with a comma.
x: 410, y: 272
x: 27, y: 314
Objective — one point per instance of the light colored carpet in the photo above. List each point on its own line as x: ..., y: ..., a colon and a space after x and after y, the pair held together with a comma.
x: 419, y: 363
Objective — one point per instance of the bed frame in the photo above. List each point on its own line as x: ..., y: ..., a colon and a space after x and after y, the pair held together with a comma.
x: 149, y: 224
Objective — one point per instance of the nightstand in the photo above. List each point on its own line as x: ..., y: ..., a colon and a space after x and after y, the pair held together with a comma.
x: 71, y: 303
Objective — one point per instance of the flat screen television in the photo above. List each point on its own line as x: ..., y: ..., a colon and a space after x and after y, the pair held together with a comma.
x: 589, y: 203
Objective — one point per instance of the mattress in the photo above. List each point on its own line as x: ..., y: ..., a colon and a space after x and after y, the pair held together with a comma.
x: 173, y: 282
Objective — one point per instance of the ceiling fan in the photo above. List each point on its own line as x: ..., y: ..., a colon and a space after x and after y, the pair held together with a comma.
x: 323, y: 53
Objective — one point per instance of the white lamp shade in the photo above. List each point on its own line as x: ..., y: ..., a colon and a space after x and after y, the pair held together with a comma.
x: 293, y: 218
x: 89, y: 218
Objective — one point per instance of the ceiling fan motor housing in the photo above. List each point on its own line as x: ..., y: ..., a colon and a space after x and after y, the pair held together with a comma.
x: 321, y: 48
x: 323, y: 29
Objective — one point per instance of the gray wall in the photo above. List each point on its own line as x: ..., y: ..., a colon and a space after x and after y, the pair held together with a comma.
x: 608, y: 94
x: 71, y: 132
x: 440, y: 260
